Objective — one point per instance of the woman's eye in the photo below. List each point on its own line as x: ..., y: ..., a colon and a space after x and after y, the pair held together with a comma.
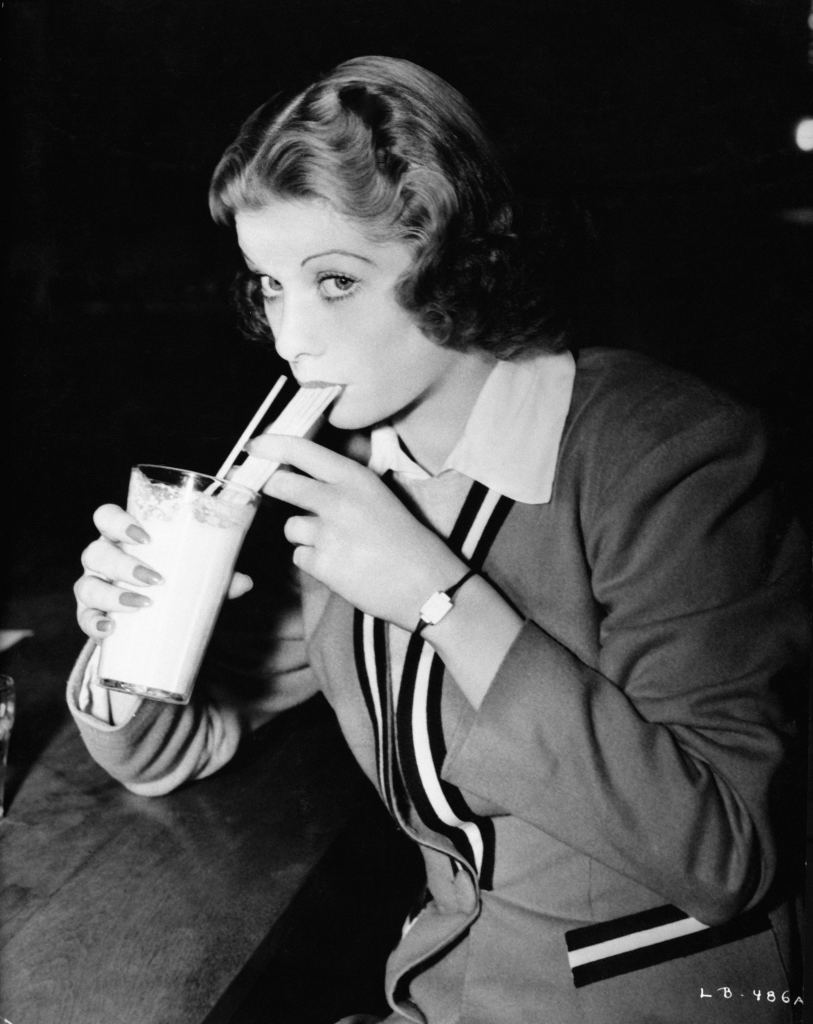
x: 336, y: 286
x: 269, y: 286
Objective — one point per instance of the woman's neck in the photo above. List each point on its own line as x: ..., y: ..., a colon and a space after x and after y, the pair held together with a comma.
x: 432, y: 426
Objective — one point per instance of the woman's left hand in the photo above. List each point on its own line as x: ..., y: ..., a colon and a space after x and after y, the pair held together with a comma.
x: 357, y: 538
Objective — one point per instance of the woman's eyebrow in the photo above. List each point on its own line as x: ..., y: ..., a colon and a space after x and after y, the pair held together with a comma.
x: 336, y: 252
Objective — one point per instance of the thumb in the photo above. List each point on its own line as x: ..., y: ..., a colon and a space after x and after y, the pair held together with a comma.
x: 240, y: 584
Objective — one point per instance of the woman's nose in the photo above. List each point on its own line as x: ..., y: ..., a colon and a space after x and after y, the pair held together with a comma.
x: 296, y: 331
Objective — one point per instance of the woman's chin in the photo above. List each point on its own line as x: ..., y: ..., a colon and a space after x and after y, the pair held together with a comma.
x: 344, y: 416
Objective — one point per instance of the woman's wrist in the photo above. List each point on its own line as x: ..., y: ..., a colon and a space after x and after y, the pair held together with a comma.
x: 474, y: 637
x: 438, y: 605
x: 436, y: 572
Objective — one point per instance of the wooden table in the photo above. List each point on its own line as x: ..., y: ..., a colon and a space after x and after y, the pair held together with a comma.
x: 118, y: 908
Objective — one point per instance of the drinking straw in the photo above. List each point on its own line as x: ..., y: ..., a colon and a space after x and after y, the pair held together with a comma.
x: 255, y: 419
x: 296, y: 419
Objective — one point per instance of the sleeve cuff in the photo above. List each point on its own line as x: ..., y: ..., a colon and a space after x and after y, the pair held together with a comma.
x: 93, y: 703
x: 482, y: 752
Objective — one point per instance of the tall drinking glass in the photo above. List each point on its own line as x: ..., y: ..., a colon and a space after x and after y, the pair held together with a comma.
x: 196, y: 525
x: 6, y: 723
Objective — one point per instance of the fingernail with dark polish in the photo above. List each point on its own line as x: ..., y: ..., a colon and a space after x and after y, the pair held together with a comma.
x: 147, y: 575
x: 132, y: 600
x: 137, y: 534
x: 104, y: 625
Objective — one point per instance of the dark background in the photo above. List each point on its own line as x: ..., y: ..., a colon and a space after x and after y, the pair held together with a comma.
x: 672, y: 124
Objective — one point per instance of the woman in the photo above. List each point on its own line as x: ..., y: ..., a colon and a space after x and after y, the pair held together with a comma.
x: 556, y: 612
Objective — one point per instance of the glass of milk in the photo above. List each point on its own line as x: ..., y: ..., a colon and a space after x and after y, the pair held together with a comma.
x: 196, y: 525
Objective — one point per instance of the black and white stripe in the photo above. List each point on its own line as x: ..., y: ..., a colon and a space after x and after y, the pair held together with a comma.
x: 370, y: 648
x: 651, y: 937
x: 420, y: 743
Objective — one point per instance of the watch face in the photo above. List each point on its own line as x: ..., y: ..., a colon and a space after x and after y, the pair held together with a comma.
x: 435, y: 608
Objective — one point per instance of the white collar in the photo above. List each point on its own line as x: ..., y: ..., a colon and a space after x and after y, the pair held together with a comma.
x: 512, y: 436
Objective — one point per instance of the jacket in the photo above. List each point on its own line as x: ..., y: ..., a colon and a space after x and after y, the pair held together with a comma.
x: 604, y: 839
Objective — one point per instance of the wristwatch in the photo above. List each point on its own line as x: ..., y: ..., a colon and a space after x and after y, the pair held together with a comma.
x: 439, y: 605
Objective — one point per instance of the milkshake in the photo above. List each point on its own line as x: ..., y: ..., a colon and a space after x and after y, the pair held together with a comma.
x: 196, y: 525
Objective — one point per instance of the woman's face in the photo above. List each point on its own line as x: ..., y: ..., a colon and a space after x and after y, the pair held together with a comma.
x: 329, y: 295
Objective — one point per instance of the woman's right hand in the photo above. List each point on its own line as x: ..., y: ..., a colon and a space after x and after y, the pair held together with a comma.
x: 111, y: 574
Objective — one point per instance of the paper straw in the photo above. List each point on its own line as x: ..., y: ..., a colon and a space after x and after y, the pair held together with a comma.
x: 296, y: 419
x: 255, y: 420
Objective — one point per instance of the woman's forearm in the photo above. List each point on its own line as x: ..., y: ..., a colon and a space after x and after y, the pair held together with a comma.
x: 475, y: 636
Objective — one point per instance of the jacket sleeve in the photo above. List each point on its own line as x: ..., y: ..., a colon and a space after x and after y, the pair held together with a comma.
x: 152, y: 748
x: 665, y: 761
